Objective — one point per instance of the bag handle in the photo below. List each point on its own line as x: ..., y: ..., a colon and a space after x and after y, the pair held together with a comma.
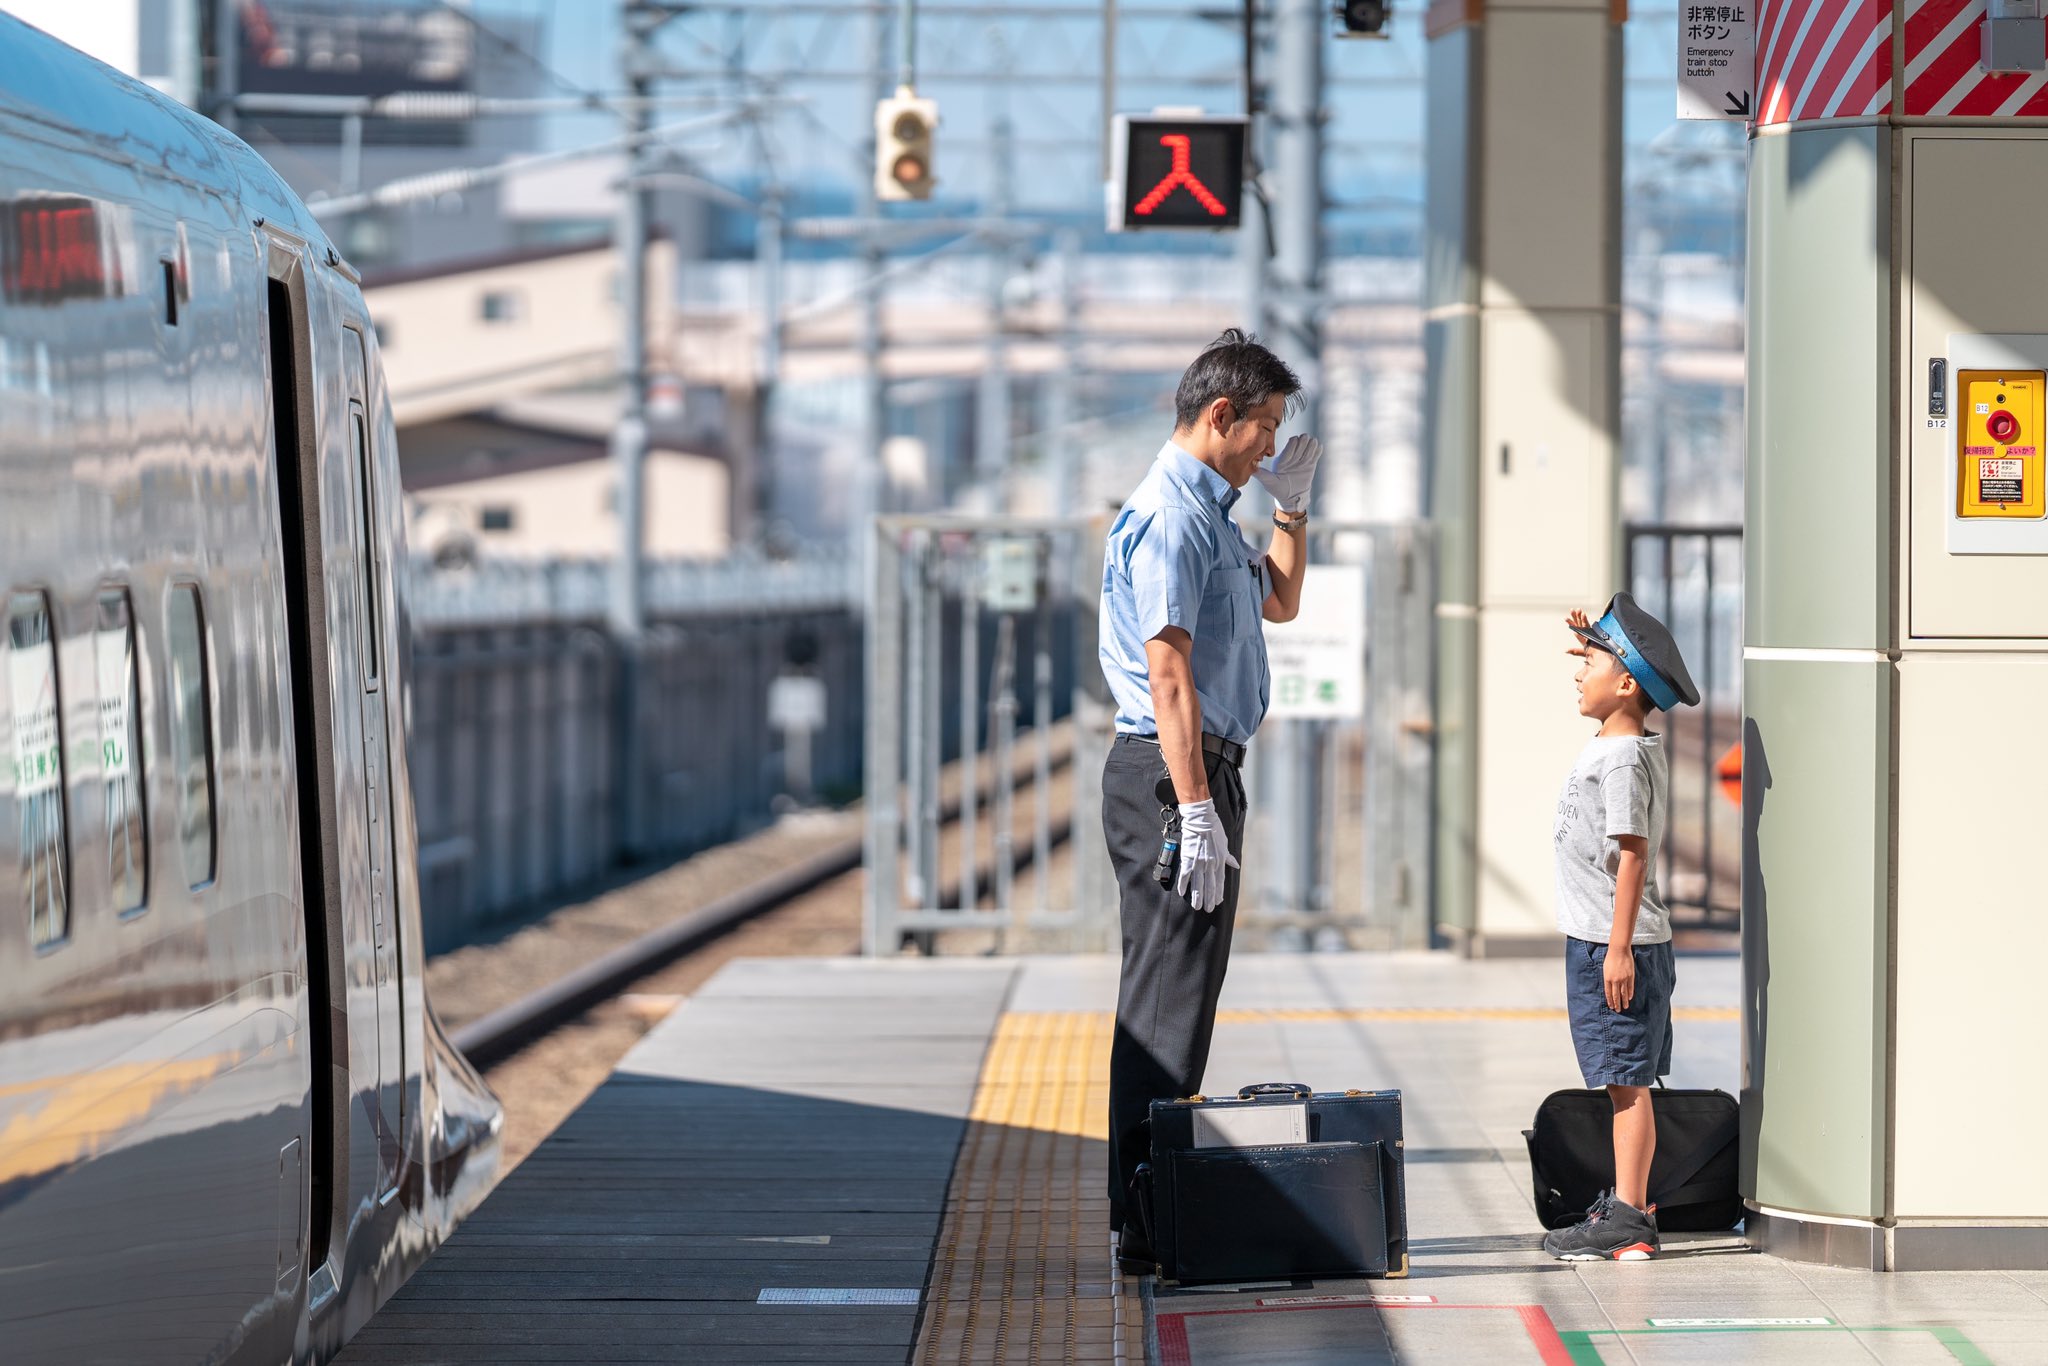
x: 1275, y: 1088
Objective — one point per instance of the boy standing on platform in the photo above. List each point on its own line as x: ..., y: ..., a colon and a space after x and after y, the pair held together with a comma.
x: 1619, y: 972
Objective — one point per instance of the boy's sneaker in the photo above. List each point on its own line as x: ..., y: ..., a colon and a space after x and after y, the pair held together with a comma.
x: 1613, y: 1230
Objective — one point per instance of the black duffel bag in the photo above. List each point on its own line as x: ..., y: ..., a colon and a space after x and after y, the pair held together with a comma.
x: 1692, y: 1177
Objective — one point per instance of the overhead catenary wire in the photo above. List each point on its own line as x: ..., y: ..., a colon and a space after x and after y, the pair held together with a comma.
x: 868, y: 284
x: 452, y: 105
x: 433, y: 184
x: 535, y: 60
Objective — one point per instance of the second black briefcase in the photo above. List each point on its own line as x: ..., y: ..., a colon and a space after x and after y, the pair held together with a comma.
x: 1692, y: 1175
x: 1277, y: 1183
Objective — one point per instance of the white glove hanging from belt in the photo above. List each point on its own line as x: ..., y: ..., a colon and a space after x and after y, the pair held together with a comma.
x: 1204, y: 854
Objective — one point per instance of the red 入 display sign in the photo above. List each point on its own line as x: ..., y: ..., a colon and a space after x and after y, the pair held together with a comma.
x: 1180, y: 172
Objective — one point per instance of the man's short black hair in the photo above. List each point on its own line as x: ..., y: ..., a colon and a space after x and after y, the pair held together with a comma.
x: 1237, y: 367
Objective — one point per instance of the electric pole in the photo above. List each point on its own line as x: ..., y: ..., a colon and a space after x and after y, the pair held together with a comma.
x: 227, y: 62
x: 1296, y: 101
x: 768, y: 265
x: 866, y: 491
x: 627, y: 615
x: 1293, y: 304
x: 992, y: 448
x: 1064, y: 408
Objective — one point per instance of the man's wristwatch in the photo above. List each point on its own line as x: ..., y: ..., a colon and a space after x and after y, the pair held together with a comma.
x: 1285, y: 523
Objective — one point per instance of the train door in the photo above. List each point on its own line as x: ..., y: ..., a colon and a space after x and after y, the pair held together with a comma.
x: 372, y: 696
x: 296, y: 471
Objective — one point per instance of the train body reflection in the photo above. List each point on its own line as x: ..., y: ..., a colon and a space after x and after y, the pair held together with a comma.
x: 229, y: 1124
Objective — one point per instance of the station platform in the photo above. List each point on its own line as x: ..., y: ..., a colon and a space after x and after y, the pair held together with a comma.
x: 839, y: 1160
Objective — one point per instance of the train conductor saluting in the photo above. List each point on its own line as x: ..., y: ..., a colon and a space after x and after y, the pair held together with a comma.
x: 1183, y: 595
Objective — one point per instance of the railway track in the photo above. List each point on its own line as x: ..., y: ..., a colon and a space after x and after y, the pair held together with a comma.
x: 548, y: 1012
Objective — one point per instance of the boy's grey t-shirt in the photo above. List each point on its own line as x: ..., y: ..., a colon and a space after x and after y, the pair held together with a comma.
x: 1620, y: 785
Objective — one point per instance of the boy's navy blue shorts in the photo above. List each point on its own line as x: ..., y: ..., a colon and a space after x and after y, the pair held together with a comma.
x: 1620, y: 1047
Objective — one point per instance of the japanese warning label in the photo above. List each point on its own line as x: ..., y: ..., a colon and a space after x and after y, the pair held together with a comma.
x: 1716, y: 60
x: 2002, y: 481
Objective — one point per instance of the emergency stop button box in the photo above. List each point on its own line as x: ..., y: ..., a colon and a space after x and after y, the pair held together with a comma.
x: 1999, y: 438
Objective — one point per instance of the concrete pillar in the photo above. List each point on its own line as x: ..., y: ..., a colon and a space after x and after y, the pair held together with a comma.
x: 1894, y: 652
x: 1522, y: 337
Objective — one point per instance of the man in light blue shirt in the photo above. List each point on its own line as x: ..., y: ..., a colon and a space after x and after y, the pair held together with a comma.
x: 1183, y: 646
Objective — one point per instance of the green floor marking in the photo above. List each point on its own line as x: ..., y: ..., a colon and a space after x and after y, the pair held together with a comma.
x: 1578, y: 1342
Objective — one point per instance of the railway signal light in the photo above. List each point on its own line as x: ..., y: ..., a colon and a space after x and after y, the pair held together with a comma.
x: 903, y: 146
x: 1363, y: 18
x: 1177, y: 171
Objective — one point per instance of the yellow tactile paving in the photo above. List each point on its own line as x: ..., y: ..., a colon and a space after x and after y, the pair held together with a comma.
x: 1102, y: 1020
x: 1436, y: 1014
x: 1023, y: 1271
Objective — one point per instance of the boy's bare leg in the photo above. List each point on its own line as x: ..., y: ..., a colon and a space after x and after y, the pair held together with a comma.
x: 1635, y: 1143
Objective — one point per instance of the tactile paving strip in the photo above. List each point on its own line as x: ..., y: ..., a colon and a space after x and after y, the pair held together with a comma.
x: 1023, y: 1270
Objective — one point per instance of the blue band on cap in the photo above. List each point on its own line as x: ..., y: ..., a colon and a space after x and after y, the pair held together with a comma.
x: 1662, y: 694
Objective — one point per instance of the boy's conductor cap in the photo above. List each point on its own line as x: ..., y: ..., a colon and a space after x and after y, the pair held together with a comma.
x: 1646, y: 649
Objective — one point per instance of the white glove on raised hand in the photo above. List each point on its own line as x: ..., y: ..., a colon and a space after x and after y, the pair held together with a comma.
x: 1204, y: 854
x: 1292, y: 471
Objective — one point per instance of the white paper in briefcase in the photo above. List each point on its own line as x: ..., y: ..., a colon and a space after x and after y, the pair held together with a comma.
x: 1250, y: 1126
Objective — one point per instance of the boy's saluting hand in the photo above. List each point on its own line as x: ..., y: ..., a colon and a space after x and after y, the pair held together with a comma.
x: 1577, y: 619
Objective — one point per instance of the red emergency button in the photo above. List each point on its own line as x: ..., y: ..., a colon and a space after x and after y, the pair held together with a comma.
x: 2003, y: 426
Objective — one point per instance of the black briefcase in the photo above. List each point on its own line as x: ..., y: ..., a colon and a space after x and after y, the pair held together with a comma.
x: 1277, y: 1183
x: 1692, y: 1176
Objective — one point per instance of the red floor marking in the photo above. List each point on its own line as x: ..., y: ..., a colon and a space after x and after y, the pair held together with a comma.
x: 1173, y: 1329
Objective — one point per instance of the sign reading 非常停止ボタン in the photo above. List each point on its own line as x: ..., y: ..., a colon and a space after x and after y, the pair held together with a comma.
x: 1717, y: 60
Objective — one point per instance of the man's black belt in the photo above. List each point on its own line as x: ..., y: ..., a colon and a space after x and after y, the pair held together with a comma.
x: 1229, y: 751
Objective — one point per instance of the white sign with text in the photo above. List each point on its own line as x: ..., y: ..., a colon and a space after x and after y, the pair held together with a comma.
x: 1318, y: 658
x: 1717, y: 60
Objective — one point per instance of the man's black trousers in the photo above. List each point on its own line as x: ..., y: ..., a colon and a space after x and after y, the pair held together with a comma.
x: 1174, y: 955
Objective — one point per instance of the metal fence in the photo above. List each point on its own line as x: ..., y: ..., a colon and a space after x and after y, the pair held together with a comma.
x: 522, y: 592
x: 966, y: 610
x: 519, y: 751
x: 981, y: 638
x: 1691, y: 577
x: 1338, y: 849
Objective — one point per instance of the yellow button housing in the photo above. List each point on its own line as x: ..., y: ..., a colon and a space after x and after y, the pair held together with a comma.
x: 1998, y: 444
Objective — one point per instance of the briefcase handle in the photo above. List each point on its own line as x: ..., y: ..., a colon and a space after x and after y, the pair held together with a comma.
x: 1275, y: 1088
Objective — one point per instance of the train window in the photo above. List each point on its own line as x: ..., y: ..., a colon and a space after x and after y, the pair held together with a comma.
x: 496, y: 517
x: 372, y: 568
x: 38, y: 767
x: 503, y: 306
x: 170, y: 293
x: 191, y: 733
x: 121, y: 752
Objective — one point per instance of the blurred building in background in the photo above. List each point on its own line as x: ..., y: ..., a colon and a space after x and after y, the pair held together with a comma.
x: 507, y: 289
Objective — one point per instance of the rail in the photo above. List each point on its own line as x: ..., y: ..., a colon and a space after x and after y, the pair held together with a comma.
x: 521, y: 763
x: 493, y: 1037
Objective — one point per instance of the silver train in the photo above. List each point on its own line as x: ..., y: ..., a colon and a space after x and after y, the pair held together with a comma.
x: 230, y: 1125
